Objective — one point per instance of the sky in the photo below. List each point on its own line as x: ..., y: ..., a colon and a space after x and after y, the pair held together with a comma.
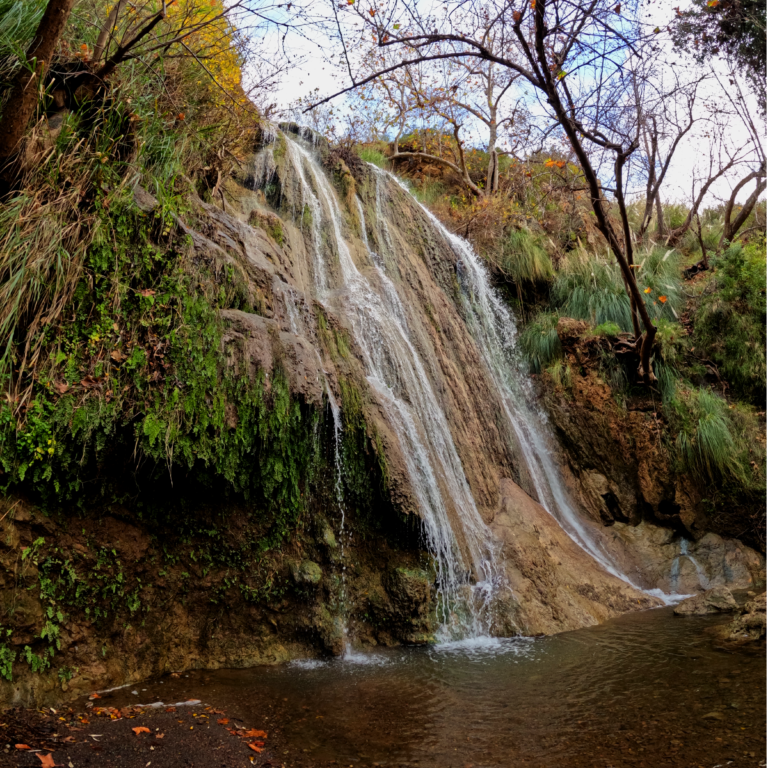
x: 314, y: 71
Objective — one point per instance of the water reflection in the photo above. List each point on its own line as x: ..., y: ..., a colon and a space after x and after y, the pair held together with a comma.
x: 642, y: 690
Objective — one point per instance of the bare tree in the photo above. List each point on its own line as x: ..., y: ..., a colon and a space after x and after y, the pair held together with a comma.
x: 665, y: 120
x: 577, y: 55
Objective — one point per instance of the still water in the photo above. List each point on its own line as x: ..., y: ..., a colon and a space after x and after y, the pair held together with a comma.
x: 646, y: 689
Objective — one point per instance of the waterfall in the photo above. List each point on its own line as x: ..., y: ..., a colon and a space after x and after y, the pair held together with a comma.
x: 493, y: 327
x: 455, y: 533
x: 675, y: 572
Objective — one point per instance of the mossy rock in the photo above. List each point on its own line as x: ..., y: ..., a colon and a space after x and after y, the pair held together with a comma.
x: 307, y: 572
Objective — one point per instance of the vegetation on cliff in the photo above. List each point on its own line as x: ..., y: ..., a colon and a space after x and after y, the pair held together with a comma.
x: 120, y: 401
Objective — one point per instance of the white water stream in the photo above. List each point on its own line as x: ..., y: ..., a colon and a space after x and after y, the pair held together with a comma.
x: 466, y: 571
x: 455, y: 532
x: 493, y: 327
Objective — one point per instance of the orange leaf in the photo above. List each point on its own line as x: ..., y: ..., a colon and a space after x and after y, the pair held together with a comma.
x: 140, y: 729
x: 46, y: 761
x: 94, y: 696
x: 663, y: 299
x: 23, y: 746
x: 223, y: 721
x: 254, y: 734
x: 647, y: 290
x: 516, y: 16
x: 255, y: 748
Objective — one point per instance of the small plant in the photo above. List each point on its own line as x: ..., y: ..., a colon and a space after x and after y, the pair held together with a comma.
x: 7, y: 656
x: 524, y: 258
x: 607, y: 330
x: 539, y: 341
x: 372, y: 155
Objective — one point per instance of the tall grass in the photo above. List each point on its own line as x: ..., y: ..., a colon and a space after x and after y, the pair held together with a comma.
x: 706, y: 441
x: 591, y: 288
x: 429, y: 192
x: 539, y: 341
x: 18, y: 21
x: 523, y: 258
x: 372, y: 155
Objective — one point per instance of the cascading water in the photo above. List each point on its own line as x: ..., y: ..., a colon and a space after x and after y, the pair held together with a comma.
x: 396, y: 373
x: 494, y: 329
x: 675, y: 574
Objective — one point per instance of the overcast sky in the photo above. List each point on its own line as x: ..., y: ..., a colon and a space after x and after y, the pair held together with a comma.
x: 315, y: 72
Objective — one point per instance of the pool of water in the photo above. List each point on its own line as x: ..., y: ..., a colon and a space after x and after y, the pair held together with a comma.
x: 646, y: 689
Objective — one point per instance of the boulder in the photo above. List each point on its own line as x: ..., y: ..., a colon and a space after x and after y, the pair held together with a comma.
x: 716, y: 600
x: 750, y: 625
x: 306, y: 572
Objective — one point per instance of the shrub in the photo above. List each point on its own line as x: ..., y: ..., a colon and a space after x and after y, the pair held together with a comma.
x: 523, y: 258
x: 539, y: 341
x: 730, y: 322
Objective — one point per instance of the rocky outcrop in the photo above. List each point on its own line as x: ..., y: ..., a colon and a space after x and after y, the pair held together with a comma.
x: 555, y: 584
x: 749, y: 626
x: 717, y: 600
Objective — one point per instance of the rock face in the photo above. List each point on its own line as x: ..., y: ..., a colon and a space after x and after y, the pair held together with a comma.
x: 555, y: 583
x: 717, y: 600
x: 749, y: 626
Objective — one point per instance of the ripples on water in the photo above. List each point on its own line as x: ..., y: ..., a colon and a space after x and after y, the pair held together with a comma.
x: 631, y: 692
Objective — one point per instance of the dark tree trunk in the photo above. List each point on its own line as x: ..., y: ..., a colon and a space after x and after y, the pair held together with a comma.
x: 24, y: 94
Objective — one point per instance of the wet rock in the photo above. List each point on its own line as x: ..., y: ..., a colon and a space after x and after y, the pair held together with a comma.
x: 306, y: 572
x: 750, y: 626
x: 557, y: 586
x: 717, y: 600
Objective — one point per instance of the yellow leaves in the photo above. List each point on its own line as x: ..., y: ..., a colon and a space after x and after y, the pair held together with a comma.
x: 533, y: 5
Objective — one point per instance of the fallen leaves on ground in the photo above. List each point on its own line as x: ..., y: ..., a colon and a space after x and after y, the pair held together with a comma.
x: 255, y: 748
x: 253, y: 734
x: 140, y: 729
x: 23, y: 746
x: 46, y: 761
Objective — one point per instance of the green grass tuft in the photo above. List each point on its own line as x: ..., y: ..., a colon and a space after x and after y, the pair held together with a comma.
x: 539, y: 341
x: 524, y: 258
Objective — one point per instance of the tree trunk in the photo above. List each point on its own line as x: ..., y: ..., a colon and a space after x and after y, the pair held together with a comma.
x: 732, y: 226
x: 660, y: 227
x: 24, y: 94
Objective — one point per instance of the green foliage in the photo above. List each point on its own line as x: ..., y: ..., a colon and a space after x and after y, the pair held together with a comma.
x: 523, y: 257
x: 372, y: 155
x: 591, y: 288
x: 539, y: 341
x: 730, y: 322
x: 7, y: 655
x: 18, y: 22
x: 718, y: 442
x: 607, y: 330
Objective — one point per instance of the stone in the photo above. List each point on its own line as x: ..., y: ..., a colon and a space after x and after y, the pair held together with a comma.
x: 716, y: 600
x: 749, y: 626
x: 306, y: 572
